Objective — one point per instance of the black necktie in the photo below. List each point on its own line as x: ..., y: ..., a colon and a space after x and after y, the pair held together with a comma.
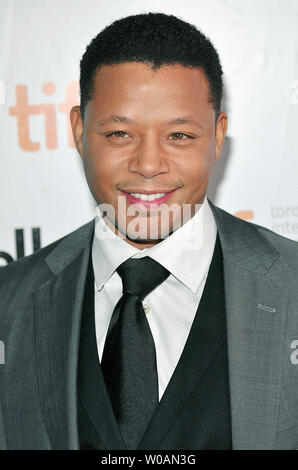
x: 129, y: 358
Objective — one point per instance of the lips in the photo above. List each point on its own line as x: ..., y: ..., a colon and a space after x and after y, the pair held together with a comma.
x: 147, y: 198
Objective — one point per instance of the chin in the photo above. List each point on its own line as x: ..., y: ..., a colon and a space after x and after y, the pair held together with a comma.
x: 144, y: 241
x: 142, y: 238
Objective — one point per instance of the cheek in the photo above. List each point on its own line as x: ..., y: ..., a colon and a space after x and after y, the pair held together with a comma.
x: 196, y: 171
x: 100, y: 169
x: 203, y: 161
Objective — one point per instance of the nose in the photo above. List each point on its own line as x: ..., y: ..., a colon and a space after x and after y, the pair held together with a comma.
x: 149, y: 159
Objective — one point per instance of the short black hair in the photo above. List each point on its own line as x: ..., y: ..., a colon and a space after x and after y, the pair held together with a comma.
x: 153, y: 38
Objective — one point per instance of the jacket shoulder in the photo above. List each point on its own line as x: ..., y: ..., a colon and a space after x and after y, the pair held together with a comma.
x: 20, y: 279
x: 287, y: 248
x: 33, y: 266
x: 280, y: 241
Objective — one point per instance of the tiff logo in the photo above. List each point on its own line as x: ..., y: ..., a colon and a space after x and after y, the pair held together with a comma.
x: 2, y: 353
x: 23, y: 110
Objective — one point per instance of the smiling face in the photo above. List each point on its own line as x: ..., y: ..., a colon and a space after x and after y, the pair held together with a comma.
x: 148, y: 134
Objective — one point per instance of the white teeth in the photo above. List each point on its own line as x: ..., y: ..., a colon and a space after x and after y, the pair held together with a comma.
x: 147, y: 197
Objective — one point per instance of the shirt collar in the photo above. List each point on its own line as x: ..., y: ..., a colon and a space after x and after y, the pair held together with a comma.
x: 189, y: 263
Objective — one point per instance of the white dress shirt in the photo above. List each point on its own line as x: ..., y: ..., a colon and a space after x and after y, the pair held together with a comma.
x: 171, y: 307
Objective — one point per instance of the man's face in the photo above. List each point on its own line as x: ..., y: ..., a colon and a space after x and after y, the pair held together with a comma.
x: 148, y: 132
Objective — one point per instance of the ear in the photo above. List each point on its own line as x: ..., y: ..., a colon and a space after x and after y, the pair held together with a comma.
x: 77, y: 126
x: 220, y: 132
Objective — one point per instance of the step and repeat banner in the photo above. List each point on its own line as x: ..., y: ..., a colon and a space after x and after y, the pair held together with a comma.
x: 43, y: 191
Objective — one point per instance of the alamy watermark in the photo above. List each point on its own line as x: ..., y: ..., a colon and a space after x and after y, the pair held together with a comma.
x: 144, y: 222
x: 2, y: 352
x: 294, y: 354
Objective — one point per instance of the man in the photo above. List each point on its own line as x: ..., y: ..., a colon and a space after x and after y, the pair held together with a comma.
x: 165, y: 323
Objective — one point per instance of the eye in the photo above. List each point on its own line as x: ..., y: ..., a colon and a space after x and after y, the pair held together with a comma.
x: 180, y: 136
x: 117, y: 134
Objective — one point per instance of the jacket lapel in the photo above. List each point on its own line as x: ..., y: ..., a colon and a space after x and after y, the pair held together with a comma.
x: 95, y: 408
x: 256, y: 326
x: 57, y: 312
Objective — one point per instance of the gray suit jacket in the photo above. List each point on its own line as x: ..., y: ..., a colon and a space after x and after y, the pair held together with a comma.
x: 40, y: 306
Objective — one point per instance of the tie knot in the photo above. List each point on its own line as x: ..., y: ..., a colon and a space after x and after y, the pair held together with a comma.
x: 141, y: 275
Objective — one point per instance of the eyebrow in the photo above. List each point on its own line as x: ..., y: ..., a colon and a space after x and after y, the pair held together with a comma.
x: 183, y: 120
x: 115, y: 118
x: 125, y: 119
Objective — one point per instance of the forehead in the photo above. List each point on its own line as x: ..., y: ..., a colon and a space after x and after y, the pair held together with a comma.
x: 138, y: 87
